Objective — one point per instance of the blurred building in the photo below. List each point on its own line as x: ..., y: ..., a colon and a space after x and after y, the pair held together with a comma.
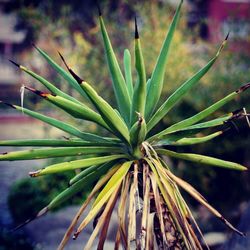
x: 213, y: 19
x: 229, y: 15
x: 10, y: 40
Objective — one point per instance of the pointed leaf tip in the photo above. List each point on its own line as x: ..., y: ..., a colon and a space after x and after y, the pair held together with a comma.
x: 98, y: 8
x: 232, y: 227
x: 38, y: 92
x: 227, y: 36
x: 76, y: 77
x: 136, y: 29
x: 61, y: 56
x: 32, y: 44
x: 16, y: 64
x: 8, y: 104
x: 35, y: 173
x: 243, y: 88
x: 39, y: 214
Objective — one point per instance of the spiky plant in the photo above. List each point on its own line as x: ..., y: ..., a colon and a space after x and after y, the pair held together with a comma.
x: 128, y: 168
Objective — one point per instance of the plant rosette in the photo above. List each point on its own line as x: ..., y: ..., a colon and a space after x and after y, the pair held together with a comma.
x: 128, y: 168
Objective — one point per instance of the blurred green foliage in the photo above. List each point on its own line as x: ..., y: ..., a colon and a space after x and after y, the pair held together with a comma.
x: 14, y: 241
x: 37, y: 193
x: 29, y: 197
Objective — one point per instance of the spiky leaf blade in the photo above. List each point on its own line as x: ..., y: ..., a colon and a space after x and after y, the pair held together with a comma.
x: 47, y: 84
x: 45, y: 153
x: 103, y: 168
x: 55, y: 143
x: 121, y: 92
x: 60, y: 125
x: 181, y: 91
x: 74, y: 109
x: 188, y: 140
x: 128, y: 73
x: 202, y: 114
x: 139, y: 96
x: 202, y: 159
x: 157, y: 78
x: 77, y: 164
x: 61, y: 71
x: 109, y: 115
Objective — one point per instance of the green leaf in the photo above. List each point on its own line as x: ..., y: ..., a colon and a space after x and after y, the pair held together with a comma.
x: 55, y: 143
x: 61, y: 71
x: 181, y: 91
x: 83, y: 174
x: 85, y: 183
x: 188, y: 140
x: 148, y: 84
x: 71, y: 165
x: 172, y: 136
x: 128, y: 73
x: 138, y: 132
x: 101, y: 169
x: 209, y: 124
x: 139, y: 96
x: 60, y: 125
x: 168, y: 139
x: 55, y: 152
x: 198, y: 117
x: 202, y: 159
x: 119, y: 85
x: 108, y: 114
x: 75, y: 110
x: 50, y: 86
x: 157, y: 78
x: 114, y: 181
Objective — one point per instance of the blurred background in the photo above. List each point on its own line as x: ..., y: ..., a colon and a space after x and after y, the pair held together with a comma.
x: 71, y: 27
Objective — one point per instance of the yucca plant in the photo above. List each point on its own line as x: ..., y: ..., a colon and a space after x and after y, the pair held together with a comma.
x: 128, y: 169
